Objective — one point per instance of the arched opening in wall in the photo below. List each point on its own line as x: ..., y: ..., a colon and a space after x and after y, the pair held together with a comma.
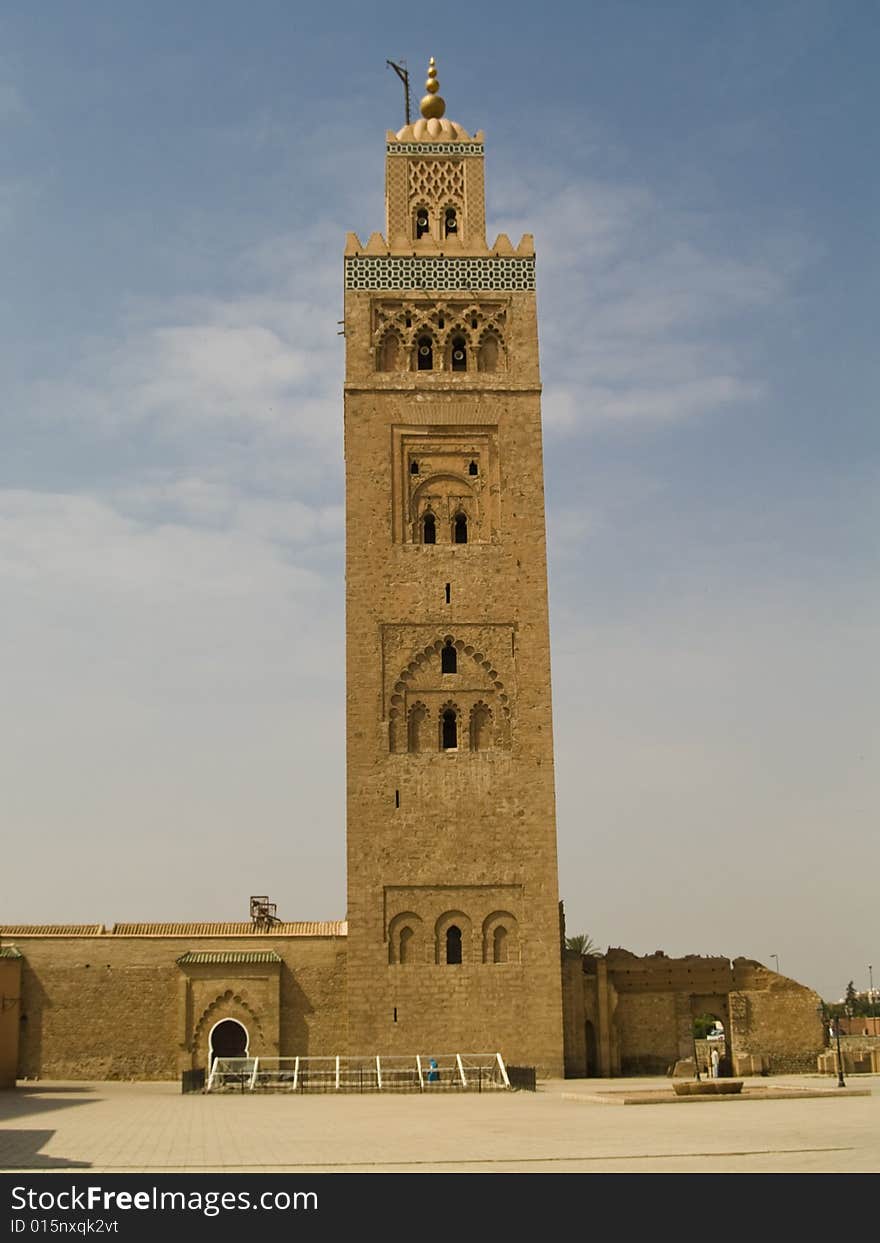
x: 453, y: 945
x: 489, y: 353
x: 405, y: 947
x: 425, y: 354
x: 422, y: 223
x: 711, y: 1048
x: 429, y: 529
x: 473, y: 469
x: 449, y: 733
x: 499, y: 944
x: 413, y: 468
x: 591, y: 1069
x: 228, y: 1038
x: 460, y: 529
x: 450, y: 222
x: 389, y: 353
x: 500, y: 938
x: 418, y: 716
x: 481, y: 727
x: 448, y: 658
x: 458, y: 354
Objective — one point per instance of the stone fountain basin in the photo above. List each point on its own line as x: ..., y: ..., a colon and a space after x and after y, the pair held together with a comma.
x: 711, y: 1087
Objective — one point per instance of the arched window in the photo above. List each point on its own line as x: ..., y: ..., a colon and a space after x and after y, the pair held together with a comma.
x: 413, y: 468
x: 448, y: 659
x: 489, y: 353
x: 459, y: 354
x: 481, y: 727
x: 404, y: 945
x: 418, y: 715
x: 500, y: 939
x: 429, y: 529
x: 453, y: 945
x: 425, y: 354
x: 388, y: 353
x: 450, y: 730
x: 473, y: 469
x: 423, y: 223
x: 450, y: 222
x: 459, y: 529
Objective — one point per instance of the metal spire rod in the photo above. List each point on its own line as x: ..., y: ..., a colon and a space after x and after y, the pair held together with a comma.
x: 403, y: 73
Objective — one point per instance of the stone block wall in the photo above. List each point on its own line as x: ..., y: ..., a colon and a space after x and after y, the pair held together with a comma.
x: 10, y: 1015
x: 121, y: 1007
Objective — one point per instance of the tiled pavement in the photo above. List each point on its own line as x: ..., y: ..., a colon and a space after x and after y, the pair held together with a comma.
x: 564, y: 1127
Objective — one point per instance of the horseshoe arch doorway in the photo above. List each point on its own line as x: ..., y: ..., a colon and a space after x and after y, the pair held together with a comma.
x: 228, y: 1038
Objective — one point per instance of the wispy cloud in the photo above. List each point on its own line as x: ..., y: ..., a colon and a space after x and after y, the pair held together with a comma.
x: 640, y: 320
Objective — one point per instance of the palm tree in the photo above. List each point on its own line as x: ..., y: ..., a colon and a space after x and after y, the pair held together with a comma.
x: 583, y: 944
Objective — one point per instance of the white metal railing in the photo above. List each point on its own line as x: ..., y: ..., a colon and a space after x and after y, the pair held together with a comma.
x: 421, y: 1072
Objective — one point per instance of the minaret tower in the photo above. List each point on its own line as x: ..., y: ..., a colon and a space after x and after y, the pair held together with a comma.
x: 454, y: 940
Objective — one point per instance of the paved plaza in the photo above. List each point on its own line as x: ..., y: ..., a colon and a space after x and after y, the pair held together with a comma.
x: 571, y: 1126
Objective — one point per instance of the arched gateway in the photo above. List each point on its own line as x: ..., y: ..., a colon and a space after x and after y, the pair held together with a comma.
x: 228, y: 1038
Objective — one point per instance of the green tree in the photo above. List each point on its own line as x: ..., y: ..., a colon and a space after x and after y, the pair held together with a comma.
x: 583, y: 944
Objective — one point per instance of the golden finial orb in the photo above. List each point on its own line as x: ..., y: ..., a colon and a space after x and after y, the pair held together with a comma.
x: 433, y: 105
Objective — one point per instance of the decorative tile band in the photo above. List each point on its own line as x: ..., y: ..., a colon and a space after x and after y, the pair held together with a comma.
x: 390, y: 272
x: 434, y: 148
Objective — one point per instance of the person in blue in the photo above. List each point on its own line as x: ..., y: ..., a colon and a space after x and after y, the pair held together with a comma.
x: 433, y: 1072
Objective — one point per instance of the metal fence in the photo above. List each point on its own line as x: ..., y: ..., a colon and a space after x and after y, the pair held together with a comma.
x: 446, y: 1072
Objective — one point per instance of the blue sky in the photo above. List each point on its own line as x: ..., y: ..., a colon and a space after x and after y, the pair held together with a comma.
x: 175, y: 184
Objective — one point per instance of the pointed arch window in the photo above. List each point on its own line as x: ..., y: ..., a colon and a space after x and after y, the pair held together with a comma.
x: 459, y: 354
x: 422, y: 222
x: 453, y: 945
x: 425, y: 354
x: 429, y: 529
x: 449, y: 730
x: 405, y: 947
x: 499, y: 944
x: 460, y: 529
x: 448, y: 659
x: 450, y: 222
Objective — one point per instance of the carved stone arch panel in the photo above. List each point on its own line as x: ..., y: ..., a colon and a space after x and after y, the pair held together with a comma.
x: 227, y: 1005
x: 482, y: 722
x: 453, y: 928
x: 484, y: 712
x: 405, y: 939
x: 491, y: 354
x: 417, y: 727
x: 500, y: 938
x: 390, y: 353
x: 444, y: 494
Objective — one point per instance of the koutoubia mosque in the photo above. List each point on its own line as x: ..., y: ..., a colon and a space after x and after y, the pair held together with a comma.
x: 453, y: 939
